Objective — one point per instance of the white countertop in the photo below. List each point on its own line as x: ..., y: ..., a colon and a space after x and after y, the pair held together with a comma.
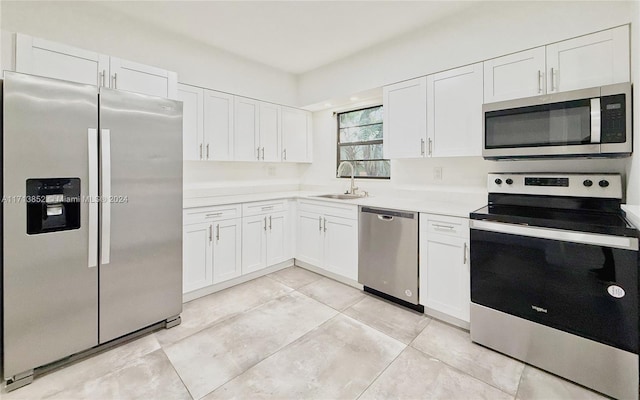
x: 633, y: 214
x: 456, y: 209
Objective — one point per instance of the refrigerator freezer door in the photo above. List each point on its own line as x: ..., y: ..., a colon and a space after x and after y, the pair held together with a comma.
x: 50, y: 290
x: 141, y: 232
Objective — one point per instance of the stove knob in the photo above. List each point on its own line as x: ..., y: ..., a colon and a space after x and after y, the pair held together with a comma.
x: 587, y: 182
x: 509, y: 181
x: 498, y: 181
x: 603, y: 183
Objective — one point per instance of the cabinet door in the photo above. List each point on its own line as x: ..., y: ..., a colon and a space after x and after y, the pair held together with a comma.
x: 454, y: 112
x: 254, y: 243
x: 341, y: 247
x: 444, y: 275
x: 54, y: 60
x: 296, y: 135
x: 309, y: 238
x: 197, y: 264
x: 405, y: 119
x: 246, y: 127
x: 515, y: 76
x: 277, y: 234
x: 593, y: 60
x: 218, y: 126
x: 144, y: 79
x: 269, y: 132
x: 227, y: 251
x: 192, y: 132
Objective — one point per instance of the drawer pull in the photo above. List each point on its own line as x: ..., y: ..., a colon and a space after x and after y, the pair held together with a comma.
x: 214, y: 215
x: 267, y: 208
x: 448, y: 227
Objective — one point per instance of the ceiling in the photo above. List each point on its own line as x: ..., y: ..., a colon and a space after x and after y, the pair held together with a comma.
x: 293, y: 36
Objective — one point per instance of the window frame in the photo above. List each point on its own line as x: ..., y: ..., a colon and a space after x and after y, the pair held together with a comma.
x: 368, y: 142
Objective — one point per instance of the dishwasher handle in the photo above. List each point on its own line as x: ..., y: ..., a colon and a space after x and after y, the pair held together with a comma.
x: 385, y: 217
x: 388, y: 213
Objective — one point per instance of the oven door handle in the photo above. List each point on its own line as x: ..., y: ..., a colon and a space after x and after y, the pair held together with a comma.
x: 595, y: 239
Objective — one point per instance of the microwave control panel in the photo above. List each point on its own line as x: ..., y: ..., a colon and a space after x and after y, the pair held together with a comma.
x: 614, y: 119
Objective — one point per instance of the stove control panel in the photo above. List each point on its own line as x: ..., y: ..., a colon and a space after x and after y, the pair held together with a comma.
x: 548, y: 184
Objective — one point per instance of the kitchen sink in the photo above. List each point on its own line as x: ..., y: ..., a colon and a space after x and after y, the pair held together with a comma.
x: 339, y: 196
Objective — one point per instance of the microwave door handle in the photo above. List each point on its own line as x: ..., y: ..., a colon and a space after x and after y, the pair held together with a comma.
x: 595, y: 120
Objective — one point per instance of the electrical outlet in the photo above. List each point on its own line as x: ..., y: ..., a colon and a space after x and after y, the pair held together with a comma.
x: 271, y: 171
x: 437, y: 173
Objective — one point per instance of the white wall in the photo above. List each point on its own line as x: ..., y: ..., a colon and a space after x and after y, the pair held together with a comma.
x: 633, y: 185
x: 483, y: 31
x: 87, y: 24
x: 458, y: 173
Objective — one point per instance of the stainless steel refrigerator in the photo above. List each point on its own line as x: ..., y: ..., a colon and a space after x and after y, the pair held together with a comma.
x: 92, y: 218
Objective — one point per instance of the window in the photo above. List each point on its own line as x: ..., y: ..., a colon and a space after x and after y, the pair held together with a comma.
x: 360, y: 142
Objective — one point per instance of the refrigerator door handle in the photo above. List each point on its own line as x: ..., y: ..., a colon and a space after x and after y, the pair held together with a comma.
x: 93, y: 196
x: 105, y: 200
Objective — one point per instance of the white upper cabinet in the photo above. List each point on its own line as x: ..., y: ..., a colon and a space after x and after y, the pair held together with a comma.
x: 454, y: 112
x: 218, y: 126
x: 592, y: 60
x: 192, y: 126
x: 54, y: 60
x: 405, y: 119
x: 514, y: 76
x: 296, y: 135
x: 246, y: 129
x: 269, y: 132
x: 140, y: 78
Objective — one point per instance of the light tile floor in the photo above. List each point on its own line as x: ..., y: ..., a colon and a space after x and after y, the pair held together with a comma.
x: 296, y: 335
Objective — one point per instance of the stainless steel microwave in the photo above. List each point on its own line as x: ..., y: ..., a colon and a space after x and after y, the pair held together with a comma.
x: 593, y: 122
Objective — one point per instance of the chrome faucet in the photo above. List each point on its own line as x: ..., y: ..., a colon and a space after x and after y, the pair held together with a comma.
x: 353, y: 188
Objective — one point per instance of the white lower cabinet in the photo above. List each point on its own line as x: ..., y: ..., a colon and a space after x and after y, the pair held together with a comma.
x: 327, y: 237
x: 265, y: 235
x: 444, y: 265
x: 197, y: 267
x: 211, y: 251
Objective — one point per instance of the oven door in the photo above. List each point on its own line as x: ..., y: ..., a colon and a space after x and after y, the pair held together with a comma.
x: 555, y: 125
x: 582, y: 283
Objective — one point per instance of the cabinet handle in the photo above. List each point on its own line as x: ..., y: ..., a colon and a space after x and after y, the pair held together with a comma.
x: 465, y: 253
x: 320, y: 223
x: 217, y: 232
x: 102, y: 77
x: 265, y: 223
x: 210, y: 233
x: 270, y: 222
x: 325, y: 224
x: 421, y: 147
x: 201, y: 151
x: 258, y: 152
x: 207, y: 151
x: 539, y: 81
x: 267, y: 208
x: 115, y: 80
x: 263, y: 153
x: 553, y: 79
x: 284, y: 154
x: 214, y: 215
x: 438, y: 226
x: 430, y: 146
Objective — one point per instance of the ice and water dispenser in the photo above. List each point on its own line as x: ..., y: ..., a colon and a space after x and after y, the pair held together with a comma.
x: 53, y: 205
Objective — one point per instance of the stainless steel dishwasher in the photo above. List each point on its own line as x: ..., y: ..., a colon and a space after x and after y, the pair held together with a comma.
x: 388, y: 254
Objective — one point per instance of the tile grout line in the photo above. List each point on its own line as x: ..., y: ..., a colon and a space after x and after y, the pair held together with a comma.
x: 382, y: 372
x: 270, y: 355
x: 178, y: 374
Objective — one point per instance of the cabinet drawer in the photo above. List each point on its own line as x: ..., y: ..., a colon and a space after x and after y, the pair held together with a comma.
x: 215, y: 213
x: 444, y: 225
x: 263, y: 207
x: 349, y: 211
